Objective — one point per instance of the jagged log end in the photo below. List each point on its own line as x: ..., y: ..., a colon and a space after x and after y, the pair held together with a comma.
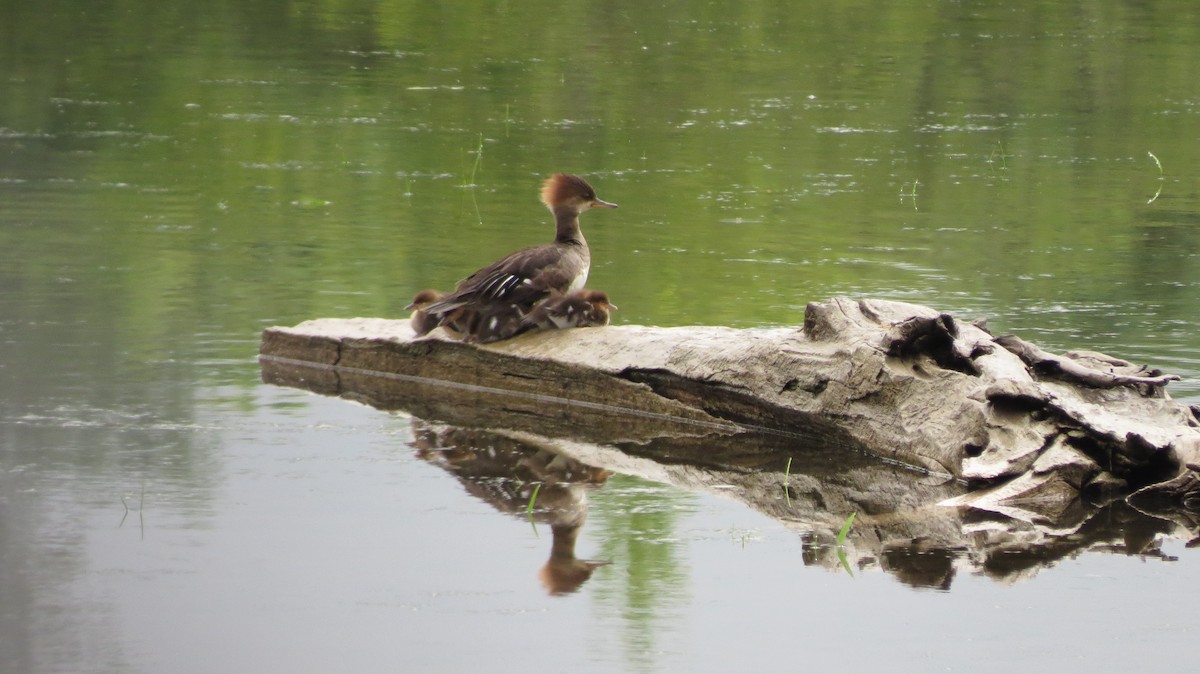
x: 285, y: 343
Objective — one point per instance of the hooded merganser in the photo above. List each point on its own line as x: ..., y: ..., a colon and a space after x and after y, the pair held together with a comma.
x: 508, y: 289
x: 422, y: 322
x: 579, y: 309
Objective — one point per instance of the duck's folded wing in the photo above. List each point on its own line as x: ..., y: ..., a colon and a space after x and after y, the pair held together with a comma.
x: 498, y: 287
x: 523, y: 278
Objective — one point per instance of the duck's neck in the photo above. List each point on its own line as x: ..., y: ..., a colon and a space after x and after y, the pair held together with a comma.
x: 566, y: 223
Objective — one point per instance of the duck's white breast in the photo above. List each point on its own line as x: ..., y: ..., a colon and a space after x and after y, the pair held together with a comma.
x: 580, y: 279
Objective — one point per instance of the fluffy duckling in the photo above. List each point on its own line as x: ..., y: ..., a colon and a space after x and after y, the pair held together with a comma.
x: 578, y: 309
x: 422, y: 322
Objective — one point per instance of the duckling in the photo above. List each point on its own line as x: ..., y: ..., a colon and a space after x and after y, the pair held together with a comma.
x: 579, y: 309
x: 422, y: 322
x: 495, y: 323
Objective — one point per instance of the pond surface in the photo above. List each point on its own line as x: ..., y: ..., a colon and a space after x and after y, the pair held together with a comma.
x: 175, y: 177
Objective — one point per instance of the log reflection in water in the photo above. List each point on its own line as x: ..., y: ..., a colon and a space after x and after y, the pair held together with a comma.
x: 900, y: 528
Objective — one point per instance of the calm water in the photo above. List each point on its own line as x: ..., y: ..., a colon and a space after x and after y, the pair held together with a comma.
x: 174, y: 177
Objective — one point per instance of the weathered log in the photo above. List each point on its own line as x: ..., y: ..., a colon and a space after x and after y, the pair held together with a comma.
x: 901, y: 381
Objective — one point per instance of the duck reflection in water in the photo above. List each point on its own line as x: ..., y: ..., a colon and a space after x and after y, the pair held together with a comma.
x: 504, y: 472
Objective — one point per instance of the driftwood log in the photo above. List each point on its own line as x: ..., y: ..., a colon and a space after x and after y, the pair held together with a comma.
x: 996, y: 424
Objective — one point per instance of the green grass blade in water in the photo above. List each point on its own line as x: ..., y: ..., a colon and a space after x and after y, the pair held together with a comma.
x: 841, y: 537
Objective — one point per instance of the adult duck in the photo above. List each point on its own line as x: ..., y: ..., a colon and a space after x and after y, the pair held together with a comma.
x: 511, y: 286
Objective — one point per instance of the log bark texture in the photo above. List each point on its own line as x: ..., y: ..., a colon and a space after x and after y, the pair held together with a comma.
x: 1029, y: 431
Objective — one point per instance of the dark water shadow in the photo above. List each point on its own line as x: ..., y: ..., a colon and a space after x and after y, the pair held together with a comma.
x: 501, y: 447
